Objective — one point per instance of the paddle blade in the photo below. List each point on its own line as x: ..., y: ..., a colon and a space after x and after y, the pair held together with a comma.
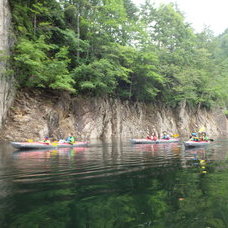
x: 175, y: 135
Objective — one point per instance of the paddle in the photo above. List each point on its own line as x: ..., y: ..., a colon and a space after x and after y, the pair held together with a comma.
x: 175, y: 135
x: 54, y: 144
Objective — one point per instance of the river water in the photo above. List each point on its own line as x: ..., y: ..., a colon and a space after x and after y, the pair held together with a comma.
x: 115, y: 184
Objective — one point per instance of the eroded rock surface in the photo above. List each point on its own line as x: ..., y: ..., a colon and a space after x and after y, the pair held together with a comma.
x: 37, y: 114
x: 7, y: 89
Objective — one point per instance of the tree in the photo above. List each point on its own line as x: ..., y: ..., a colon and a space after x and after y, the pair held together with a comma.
x: 37, y: 69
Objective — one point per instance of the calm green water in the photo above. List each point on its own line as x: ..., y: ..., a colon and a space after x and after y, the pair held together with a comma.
x: 115, y: 184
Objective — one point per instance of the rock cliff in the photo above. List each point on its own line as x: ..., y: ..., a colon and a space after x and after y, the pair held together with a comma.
x: 37, y: 114
x: 7, y: 89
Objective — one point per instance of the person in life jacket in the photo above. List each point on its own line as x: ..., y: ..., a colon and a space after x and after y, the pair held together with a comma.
x: 155, y: 138
x: 70, y: 139
x: 194, y: 137
x: 148, y: 137
x: 203, y: 136
x: 165, y: 135
x: 152, y: 137
x: 46, y: 140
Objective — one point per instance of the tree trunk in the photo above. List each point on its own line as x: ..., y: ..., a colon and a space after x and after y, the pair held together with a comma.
x: 78, y: 33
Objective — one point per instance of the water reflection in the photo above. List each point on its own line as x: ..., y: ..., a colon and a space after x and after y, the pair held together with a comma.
x: 47, y: 153
x: 115, y: 184
x: 155, y: 149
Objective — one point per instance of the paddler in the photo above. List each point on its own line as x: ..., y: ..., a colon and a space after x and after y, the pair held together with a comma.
x: 46, y: 140
x: 70, y: 139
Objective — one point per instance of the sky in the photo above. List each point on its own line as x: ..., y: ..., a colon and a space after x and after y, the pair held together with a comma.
x: 200, y: 13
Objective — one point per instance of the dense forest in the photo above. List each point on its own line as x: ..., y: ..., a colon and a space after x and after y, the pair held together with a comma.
x: 117, y: 49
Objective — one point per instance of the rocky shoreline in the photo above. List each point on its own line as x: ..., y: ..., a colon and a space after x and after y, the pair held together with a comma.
x: 35, y: 114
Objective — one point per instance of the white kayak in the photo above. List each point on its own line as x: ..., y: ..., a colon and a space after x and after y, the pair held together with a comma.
x: 151, y: 141
x: 44, y: 145
x: 196, y: 143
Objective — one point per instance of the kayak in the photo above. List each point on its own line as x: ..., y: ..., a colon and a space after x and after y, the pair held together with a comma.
x: 44, y: 145
x: 151, y: 141
x: 196, y: 143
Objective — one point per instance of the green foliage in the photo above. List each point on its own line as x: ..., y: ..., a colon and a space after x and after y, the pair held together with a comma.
x: 116, y: 48
x: 97, y: 78
x: 36, y: 69
x: 226, y: 113
x: 146, y: 81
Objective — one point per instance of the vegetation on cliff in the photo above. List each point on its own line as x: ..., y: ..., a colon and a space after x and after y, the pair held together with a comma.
x: 114, y: 48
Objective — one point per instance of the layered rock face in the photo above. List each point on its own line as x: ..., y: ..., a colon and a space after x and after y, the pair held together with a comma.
x: 37, y: 114
x: 7, y: 90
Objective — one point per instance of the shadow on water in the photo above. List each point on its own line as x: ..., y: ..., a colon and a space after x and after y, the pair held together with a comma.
x: 115, y: 184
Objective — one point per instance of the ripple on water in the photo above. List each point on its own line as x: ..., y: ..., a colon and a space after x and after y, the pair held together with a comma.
x: 141, y: 184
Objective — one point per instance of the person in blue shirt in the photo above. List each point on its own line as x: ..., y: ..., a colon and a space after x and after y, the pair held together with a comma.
x: 70, y: 139
x: 194, y: 137
x: 165, y: 135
